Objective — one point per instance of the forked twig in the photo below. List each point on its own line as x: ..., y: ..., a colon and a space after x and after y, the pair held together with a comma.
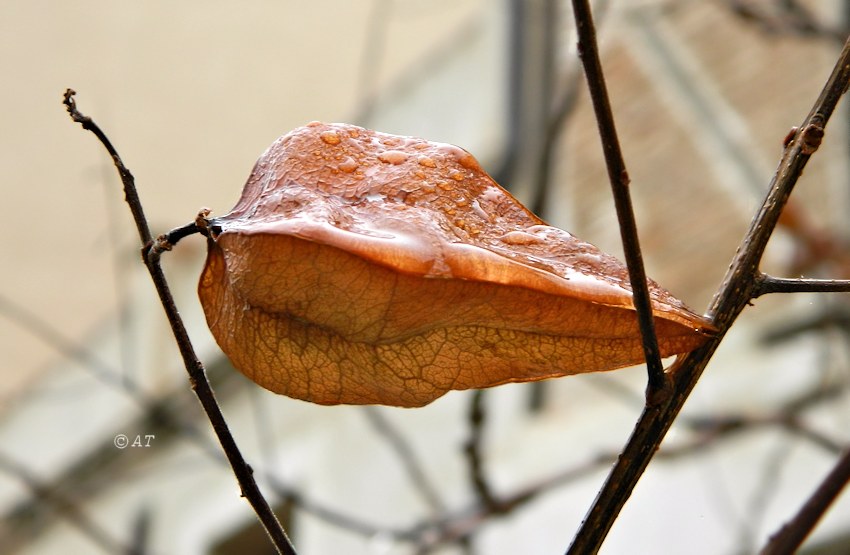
x: 739, y: 286
x: 194, y: 367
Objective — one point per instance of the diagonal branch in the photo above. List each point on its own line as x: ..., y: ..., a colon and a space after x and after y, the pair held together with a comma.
x: 407, y: 457
x: 475, y: 462
x: 734, y: 294
x: 64, y: 505
x: 794, y: 532
x: 619, y: 177
x: 194, y: 367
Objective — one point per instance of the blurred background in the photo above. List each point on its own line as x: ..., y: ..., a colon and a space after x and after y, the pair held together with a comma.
x: 191, y: 93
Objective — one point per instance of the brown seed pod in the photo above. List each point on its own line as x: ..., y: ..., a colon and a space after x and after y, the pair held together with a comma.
x: 360, y: 267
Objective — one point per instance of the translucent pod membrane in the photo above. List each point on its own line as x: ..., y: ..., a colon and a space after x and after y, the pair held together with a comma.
x: 366, y: 268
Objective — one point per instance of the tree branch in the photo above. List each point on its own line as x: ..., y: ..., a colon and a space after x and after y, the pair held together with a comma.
x: 768, y: 284
x: 785, y: 17
x: 406, y: 456
x: 657, y: 387
x: 733, y: 295
x: 477, y: 418
x: 792, y: 534
x: 452, y: 526
x: 194, y: 367
x: 64, y: 505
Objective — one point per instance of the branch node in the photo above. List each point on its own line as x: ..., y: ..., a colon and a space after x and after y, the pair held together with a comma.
x: 658, y: 392
x: 812, y: 136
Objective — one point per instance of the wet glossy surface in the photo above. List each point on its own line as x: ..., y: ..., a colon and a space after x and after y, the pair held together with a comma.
x: 417, y: 206
x: 362, y: 267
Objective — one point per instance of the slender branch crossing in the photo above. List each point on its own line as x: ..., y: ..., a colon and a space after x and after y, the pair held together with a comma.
x: 735, y: 292
x: 194, y: 367
x: 658, y: 386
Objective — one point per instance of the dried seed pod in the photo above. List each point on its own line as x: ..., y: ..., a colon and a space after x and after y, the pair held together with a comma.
x: 360, y: 267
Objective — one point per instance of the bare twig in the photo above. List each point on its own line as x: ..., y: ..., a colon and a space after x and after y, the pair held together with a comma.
x: 657, y: 387
x: 407, y: 457
x: 767, y: 284
x: 832, y: 316
x: 352, y: 523
x: 42, y: 329
x: 733, y: 295
x: 64, y: 506
x: 464, y: 522
x: 167, y: 241
x: 194, y: 367
x: 788, y: 17
x: 475, y: 463
x: 792, y: 534
x: 454, y: 525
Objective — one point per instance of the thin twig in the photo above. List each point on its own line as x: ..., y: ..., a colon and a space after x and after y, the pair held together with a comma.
x: 165, y: 409
x: 733, y: 295
x: 63, y: 505
x: 830, y: 317
x: 657, y: 387
x: 408, y: 458
x: 768, y: 284
x: 792, y: 534
x: 353, y: 523
x: 194, y: 367
x: 102, y: 372
x: 709, y: 431
x: 475, y: 462
x: 763, y: 493
x: 455, y: 525
x: 42, y: 329
x: 787, y: 17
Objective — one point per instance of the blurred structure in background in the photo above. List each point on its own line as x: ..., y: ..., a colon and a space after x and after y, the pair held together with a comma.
x: 103, y: 447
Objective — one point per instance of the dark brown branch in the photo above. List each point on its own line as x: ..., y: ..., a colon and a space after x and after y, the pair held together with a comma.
x: 166, y: 241
x: 194, y: 367
x: 127, y: 179
x: 792, y: 534
x: 733, y: 295
x: 767, y: 284
x: 657, y: 386
x: 477, y: 417
x: 708, y: 431
x: 453, y: 526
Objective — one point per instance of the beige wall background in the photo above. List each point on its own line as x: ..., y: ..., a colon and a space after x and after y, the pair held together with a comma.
x: 192, y: 92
